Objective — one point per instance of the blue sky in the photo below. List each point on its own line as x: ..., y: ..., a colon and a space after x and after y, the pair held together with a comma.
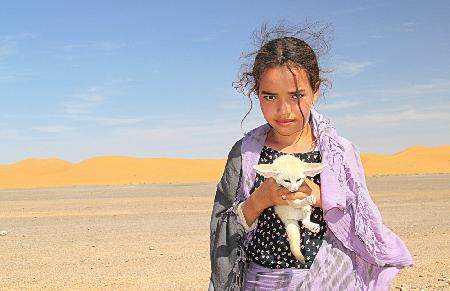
x: 145, y: 79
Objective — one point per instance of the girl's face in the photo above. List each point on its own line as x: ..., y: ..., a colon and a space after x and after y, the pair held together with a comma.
x: 279, y: 102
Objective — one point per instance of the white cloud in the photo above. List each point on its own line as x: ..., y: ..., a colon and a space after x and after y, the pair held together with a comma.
x: 105, y: 120
x: 234, y: 102
x: 82, y: 107
x: 83, y: 103
x: 382, y: 130
x: 352, y: 68
x: 53, y: 128
x: 102, y: 120
x: 107, y: 45
x: 406, y: 93
x: 395, y: 117
x: 203, y: 38
x: 211, y: 37
x: 6, y: 49
x: 409, y: 26
x: 212, y: 139
x: 433, y: 87
x: 8, y: 43
x: 13, y: 134
x: 96, y: 45
x: 341, y: 104
x: 376, y: 35
x: 7, y: 75
x: 355, y: 9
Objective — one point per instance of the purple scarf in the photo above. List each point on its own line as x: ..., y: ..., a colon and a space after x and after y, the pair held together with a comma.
x: 352, y: 218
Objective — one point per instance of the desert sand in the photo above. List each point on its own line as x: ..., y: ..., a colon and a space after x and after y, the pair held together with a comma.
x: 119, y: 170
x: 156, y: 237
x: 414, y: 160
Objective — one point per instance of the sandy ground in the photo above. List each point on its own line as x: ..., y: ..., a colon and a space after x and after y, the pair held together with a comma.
x: 157, y: 236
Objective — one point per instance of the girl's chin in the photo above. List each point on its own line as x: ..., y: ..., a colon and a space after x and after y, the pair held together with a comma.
x: 283, y: 130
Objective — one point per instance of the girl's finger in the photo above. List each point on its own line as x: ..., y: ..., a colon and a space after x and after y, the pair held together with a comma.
x: 296, y: 195
x: 304, y: 189
x: 284, y: 201
x: 281, y: 190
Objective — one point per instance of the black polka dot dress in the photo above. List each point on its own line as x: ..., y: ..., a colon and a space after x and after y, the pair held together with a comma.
x: 269, y: 246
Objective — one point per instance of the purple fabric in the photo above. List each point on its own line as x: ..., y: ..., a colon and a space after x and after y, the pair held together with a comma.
x: 332, y: 270
x: 262, y: 278
x: 352, y: 218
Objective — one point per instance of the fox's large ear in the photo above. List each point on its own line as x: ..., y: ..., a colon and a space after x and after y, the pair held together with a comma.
x: 267, y: 170
x: 314, y: 169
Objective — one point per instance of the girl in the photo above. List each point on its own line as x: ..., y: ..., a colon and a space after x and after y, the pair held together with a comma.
x: 249, y: 247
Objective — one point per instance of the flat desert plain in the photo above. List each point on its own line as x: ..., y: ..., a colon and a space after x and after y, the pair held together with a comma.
x: 156, y: 237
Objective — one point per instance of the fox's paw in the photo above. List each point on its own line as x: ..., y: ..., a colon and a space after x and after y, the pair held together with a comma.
x: 311, y: 199
x: 314, y: 227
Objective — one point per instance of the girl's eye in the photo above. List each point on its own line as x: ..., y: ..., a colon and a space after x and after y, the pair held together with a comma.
x: 271, y: 97
x: 268, y: 97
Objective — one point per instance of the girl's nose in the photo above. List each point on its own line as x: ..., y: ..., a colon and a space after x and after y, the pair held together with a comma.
x: 284, y: 107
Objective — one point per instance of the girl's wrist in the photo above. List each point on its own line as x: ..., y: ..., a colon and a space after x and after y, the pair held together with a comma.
x: 250, y: 210
x: 258, y: 202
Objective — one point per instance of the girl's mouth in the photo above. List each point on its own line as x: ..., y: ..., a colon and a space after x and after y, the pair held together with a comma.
x: 285, y: 122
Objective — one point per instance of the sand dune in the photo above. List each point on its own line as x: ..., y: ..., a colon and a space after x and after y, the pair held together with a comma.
x: 414, y: 160
x: 114, y: 170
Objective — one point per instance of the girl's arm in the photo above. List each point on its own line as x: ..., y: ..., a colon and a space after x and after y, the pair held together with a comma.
x: 253, y: 207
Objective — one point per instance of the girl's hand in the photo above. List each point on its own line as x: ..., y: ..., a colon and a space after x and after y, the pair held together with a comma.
x: 269, y: 193
x: 307, y: 188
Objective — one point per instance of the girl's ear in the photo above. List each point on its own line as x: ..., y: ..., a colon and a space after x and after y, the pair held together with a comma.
x: 266, y: 170
x: 316, y: 92
x: 314, y: 169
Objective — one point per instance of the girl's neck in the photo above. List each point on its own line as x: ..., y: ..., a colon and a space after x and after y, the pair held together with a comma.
x: 298, y: 142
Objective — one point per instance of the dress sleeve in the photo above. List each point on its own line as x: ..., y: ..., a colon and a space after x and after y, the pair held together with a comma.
x: 226, y: 229
x: 242, y: 220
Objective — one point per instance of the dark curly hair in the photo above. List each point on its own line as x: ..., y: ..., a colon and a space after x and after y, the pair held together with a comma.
x: 293, y: 46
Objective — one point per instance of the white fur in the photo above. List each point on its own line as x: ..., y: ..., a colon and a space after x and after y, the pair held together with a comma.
x: 290, y: 172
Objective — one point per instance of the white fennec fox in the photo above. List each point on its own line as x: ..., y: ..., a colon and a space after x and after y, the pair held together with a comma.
x: 290, y: 172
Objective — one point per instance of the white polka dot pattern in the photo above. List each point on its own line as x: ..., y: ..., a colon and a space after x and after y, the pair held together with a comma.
x: 269, y: 246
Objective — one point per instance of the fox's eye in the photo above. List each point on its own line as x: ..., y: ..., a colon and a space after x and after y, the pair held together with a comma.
x: 287, y: 181
x: 298, y: 180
